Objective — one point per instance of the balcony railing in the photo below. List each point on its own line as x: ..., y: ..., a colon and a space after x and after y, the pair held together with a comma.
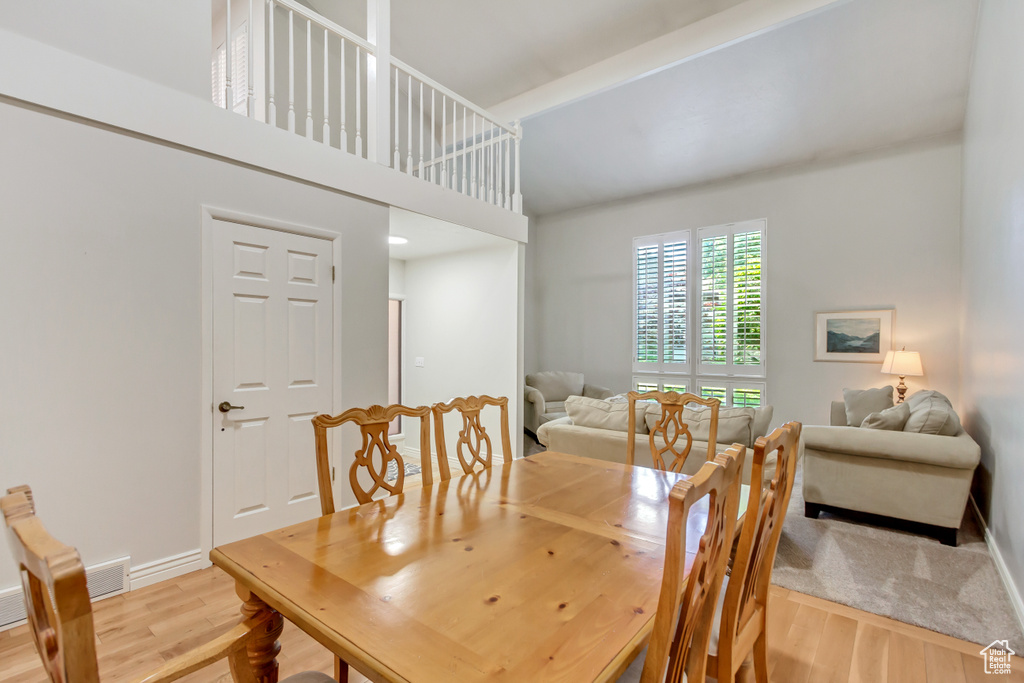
x: 282, y: 63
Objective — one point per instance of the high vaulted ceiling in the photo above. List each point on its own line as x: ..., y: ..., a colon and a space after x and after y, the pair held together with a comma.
x: 852, y: 76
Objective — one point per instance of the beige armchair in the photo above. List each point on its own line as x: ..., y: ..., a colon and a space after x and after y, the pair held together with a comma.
x: 545, y: 394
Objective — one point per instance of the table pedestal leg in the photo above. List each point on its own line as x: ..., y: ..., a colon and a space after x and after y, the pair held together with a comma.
x: 264, y: 646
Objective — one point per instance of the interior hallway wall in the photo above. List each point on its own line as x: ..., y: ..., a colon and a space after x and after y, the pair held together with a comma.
x: 101, y: 273
x: 993, y: 245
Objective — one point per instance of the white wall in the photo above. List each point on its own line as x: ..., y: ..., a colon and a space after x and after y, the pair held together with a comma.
x: 100, y: 269
x: 461, y: 315
x: 875, y: 231
x: 165, y: 42
x: 993, y: 277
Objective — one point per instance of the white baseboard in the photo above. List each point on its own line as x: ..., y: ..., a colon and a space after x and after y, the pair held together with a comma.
x: 167, y: 568
x: 1004, y: 572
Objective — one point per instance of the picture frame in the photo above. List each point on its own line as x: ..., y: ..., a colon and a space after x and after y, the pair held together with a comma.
x: 853, y: 336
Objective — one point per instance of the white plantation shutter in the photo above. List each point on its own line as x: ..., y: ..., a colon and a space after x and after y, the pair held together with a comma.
x: 660, y: 310
x: 239, y: 71
x: 732, y: 300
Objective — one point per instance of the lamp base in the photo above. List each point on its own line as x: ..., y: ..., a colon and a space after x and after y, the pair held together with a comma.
x: 901, y: 389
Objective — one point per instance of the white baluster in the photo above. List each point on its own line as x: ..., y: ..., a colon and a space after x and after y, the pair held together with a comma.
x: 271, y: 107
x: 398, y: 156
x: 517, y: 198
x: 327, y: 99
x: 343, y: 142
x: 474, y: 170
x: 421, y: 131
x: 408, y: 161
x: 309, y: 79
x: 250, y: 100
x: 444, y: 140
x: 495, y: 148
x: 229, y: 97
x: 465, y: 179
x: 433, y: 120
x: 291, y: 71
x: 359, y: 106
x: 506, y: 201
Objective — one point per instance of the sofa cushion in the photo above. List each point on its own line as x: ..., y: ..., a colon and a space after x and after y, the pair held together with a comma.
x: 601, y: 414
x: 862, y: 402
x: 892, y: 419
x: 932, y: 413
x: 556, y: 385
x: 554, y: 407
x: 735, y: 425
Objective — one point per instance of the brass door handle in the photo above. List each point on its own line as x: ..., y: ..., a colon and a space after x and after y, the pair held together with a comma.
x: 225, y: 407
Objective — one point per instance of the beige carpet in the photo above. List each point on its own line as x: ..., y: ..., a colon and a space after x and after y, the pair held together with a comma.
x: 911, y: 578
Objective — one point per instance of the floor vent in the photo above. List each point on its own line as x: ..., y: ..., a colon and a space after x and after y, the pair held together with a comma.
x: 104, y: 580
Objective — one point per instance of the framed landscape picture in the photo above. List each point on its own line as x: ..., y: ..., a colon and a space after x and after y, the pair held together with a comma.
x: 853, y: 336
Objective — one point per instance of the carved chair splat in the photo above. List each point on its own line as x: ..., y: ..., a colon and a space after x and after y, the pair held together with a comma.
x: 671, y: 427
x: 472, y: 437
x: 374, y: 455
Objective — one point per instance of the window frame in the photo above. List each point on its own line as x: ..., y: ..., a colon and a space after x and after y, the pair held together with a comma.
x: 694, y: 374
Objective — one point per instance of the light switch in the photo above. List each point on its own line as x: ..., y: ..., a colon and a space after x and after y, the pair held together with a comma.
x: 419, y: 361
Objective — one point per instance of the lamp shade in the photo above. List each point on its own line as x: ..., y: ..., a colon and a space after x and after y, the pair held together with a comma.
x: 902, y: 363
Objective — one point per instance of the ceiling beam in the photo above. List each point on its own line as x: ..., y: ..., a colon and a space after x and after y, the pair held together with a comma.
x: 735, y: 24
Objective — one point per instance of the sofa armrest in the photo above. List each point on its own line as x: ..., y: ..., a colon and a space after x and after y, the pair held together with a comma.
x: 594, y: 391
x: 543, y: 432
x: 837, y: 415
x: 533, y: 395
x: 956, y: 452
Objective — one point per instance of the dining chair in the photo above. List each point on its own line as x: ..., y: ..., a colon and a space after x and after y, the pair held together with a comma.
x: 743, y: 627
x: 60, y: 613
x: 374, y: 456
x: 677, y: 650
x: 472, y: 437
x: 671, y: 427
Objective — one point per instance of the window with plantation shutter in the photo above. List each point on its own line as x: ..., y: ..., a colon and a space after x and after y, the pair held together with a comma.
x: 715, y: 346
x: 239, y: 71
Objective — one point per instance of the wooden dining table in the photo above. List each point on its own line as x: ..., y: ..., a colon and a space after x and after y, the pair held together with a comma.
x: 547, y: 568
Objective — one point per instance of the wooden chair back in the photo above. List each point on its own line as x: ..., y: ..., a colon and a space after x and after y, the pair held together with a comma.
x: 374, y: 455
x: 62, y: 624
x: 474, y: 444
x: 670, y: 426
x: 686, y: 605
x: 743, y: 622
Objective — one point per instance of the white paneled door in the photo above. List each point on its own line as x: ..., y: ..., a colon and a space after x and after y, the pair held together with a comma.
x: 272, y: 370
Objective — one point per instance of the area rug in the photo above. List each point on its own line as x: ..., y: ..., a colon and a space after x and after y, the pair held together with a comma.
x: 392, y: 473
x: 908, y: 577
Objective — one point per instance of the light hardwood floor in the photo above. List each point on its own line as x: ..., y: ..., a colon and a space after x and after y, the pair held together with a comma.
x: 810, y: 640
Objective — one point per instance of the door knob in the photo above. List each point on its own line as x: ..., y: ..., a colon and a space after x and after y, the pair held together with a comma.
x: 225, y: 407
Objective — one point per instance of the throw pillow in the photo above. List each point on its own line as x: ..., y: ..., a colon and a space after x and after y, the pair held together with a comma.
x: 862, y: 402
x: 735, y: 425
x: 892, y: 419
x: 933, y: 415
x: 601, y: 414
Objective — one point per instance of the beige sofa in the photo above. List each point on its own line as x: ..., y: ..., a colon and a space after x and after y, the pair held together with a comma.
x: 545, y: 393
x: 608, y: 442
x: 918, y: 477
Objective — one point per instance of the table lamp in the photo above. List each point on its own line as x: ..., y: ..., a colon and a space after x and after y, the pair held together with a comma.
x: 905, y: 364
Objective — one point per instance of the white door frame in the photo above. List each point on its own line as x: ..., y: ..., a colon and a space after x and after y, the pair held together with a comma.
x: 209, y: 215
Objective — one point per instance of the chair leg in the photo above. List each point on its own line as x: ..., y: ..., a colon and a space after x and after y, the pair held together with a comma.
x: 340, y: 670
x: 761, y: 657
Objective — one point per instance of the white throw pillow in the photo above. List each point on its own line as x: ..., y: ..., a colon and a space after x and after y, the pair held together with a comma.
x: 891, y: 419
x: 862, y: 402
x: 601, y: 414
x: 735, y: 425
x: 932, y: 413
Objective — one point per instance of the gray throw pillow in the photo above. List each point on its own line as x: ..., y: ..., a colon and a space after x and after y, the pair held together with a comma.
x: 933, y: 415
x: 862, y: 402
x: 891, y: 419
